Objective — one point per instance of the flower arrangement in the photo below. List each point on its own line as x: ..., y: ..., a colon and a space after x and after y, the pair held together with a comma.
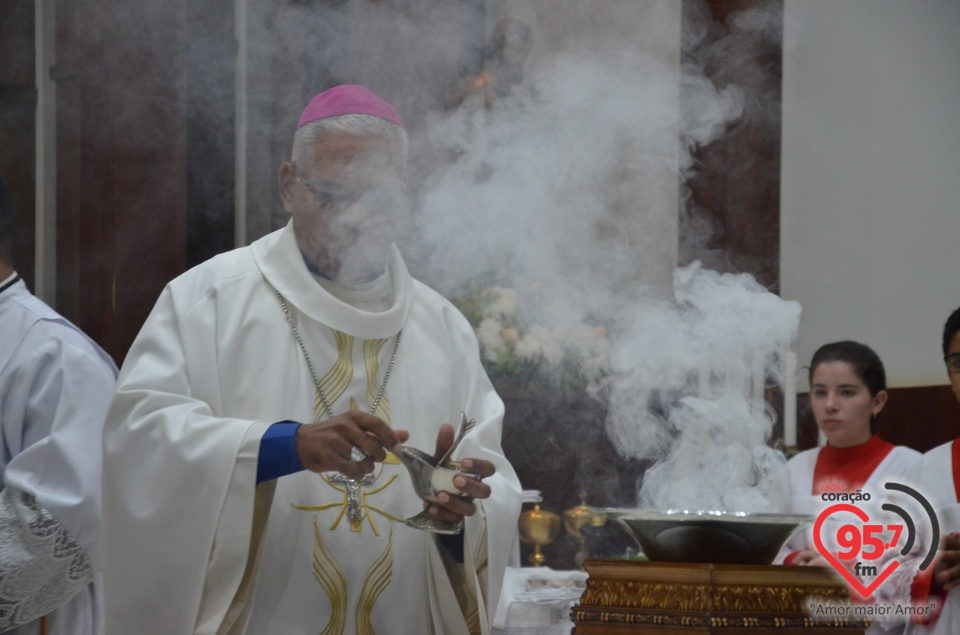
x: 519, y: 338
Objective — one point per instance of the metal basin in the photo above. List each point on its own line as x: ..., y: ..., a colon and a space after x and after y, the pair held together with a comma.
x: 717, y: 537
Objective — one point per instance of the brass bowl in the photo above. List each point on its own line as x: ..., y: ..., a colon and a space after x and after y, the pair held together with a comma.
x: 576, y: 518
x: 716, y: 537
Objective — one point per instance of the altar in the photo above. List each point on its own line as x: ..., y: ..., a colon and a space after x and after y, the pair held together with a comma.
x: 670, y: 598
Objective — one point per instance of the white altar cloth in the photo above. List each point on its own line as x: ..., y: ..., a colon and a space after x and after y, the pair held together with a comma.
x: 537, y: 601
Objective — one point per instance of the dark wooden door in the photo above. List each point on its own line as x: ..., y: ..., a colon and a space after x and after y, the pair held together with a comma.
x: 121, y: 161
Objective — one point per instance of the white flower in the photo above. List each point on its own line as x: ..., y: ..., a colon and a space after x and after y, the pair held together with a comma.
x: 548, y: 344
x: 490, y: 338
x: 528, y: 348
x: 507, y: 303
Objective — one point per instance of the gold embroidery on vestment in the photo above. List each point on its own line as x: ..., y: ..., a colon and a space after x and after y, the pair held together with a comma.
x: 364, y: 505
x: 480, y: 560
x: 331, y: 578
x: 473, y: 622
x: 326, y: 571
x: 334, y: 383
x: 377, y: 579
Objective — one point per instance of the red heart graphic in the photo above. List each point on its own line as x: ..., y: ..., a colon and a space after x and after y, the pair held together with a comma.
x: 859, y: 588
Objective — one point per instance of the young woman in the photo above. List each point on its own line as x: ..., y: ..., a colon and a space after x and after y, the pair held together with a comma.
x: 847, y: 395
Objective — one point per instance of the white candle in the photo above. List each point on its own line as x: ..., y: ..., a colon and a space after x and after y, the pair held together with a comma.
x: 736, y: 375
x: 758, y: 379
x: 790, y: 400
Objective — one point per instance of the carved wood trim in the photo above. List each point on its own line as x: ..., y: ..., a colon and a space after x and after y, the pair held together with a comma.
x: 708, y: 597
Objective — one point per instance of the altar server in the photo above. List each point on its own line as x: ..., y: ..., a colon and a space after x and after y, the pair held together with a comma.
x: 847, y: 395
x: 55, y: 385
x: 939, y: 480
x: 251, y: 482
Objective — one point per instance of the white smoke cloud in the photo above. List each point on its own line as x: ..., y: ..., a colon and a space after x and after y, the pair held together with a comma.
x: 562, y: 190
x: 566, y: 192
x: 682, y: 391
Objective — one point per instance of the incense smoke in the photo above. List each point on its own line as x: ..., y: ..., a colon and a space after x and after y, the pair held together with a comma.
x: 568, y: 195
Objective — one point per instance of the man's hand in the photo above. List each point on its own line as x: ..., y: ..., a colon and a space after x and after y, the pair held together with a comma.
x: 810, y: 557
x: 326, y: 445
x: 453, y: 508
x: 946, y: 574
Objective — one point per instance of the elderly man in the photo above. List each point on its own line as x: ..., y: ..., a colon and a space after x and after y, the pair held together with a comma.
x: 55, y: 386
x: 252, y: 483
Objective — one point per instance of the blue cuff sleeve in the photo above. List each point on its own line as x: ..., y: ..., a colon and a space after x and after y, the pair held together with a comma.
x: 278, y: 452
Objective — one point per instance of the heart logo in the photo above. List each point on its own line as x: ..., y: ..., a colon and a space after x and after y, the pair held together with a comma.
x: 854, y: 582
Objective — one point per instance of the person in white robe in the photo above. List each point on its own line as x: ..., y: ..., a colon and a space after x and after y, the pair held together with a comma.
x: 938, y: 480
x: 311, y: 348
x: 847, y: 395
x: 55, y: 386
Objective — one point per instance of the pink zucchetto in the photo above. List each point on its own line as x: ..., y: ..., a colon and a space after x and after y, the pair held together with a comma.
x: 345, y: 100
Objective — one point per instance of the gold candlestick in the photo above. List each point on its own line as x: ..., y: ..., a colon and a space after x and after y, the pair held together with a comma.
x: 789, y: 451
x: 575, y: 519
x: 539, y: 528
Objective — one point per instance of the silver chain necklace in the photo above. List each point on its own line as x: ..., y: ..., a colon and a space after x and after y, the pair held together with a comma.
x: 352, y: 485
x: 313, y: 373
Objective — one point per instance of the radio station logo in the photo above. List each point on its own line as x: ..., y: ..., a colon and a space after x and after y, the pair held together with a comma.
x: 862, y: 545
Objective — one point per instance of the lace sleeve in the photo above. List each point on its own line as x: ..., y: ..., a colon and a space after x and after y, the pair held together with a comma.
x: 41, y: 565
x: 894, y: 592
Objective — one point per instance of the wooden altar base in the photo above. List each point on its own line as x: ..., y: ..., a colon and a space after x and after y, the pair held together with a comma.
x: 674, y: 598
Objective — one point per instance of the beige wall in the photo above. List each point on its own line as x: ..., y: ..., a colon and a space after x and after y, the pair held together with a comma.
x: 871, y: 177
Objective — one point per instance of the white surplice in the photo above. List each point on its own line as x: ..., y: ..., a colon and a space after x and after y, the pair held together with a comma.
x: 935, y: 478
x: 55, y: 386
x: 213, y: 367
x: 935, y: 481
x: 794, y: 489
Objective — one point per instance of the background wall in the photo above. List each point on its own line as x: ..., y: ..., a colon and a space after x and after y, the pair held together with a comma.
x: 611, y: 33
x: 870, y: 196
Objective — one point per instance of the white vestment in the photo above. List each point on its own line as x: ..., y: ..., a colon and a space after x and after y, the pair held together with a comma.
x: 195, y: 546
x: 55, y: 386
x: 935, y: 478
x: 935, y: 482
x: 795, y: 489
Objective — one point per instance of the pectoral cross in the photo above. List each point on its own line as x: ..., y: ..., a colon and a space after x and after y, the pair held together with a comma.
x: 352, y: 486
